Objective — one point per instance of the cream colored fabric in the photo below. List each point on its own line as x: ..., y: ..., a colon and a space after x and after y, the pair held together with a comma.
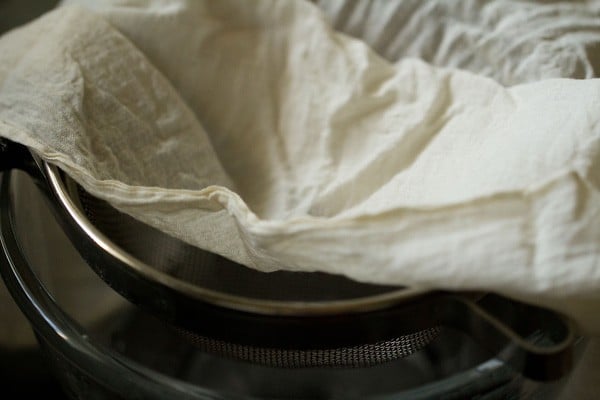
x: 254, y: 130
x: 512, y: 41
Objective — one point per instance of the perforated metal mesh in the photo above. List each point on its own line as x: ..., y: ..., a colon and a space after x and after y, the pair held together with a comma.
x: 208, y: 270
x: 364, y: 355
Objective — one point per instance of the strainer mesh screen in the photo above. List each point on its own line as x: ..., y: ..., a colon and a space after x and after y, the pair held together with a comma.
x: 364, y: 355
x: 191, y: 264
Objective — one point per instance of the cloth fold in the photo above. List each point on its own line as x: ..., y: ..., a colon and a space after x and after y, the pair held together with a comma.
x: 257, y: 131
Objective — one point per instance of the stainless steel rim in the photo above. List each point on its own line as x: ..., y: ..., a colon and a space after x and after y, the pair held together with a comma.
x: 63, y: 187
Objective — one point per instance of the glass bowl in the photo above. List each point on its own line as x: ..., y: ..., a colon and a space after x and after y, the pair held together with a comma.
x: 99, y: 346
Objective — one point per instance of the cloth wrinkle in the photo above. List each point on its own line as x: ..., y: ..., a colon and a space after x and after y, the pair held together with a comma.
x: 444, y: 146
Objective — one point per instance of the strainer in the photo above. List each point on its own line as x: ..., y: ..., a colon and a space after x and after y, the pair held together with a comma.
x: 280, y: 319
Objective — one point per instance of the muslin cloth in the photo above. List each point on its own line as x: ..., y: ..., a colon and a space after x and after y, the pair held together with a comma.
x: 512, y: 41
x: 256, y: 131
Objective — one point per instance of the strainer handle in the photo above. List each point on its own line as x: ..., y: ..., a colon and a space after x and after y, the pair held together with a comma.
x: 536, y: 341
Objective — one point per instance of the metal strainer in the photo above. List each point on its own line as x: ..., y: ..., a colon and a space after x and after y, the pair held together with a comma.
x: 280, y: 319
